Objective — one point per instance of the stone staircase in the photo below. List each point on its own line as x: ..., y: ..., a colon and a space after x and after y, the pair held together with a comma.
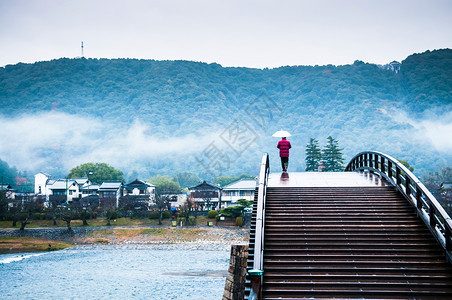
x: 348, y: 242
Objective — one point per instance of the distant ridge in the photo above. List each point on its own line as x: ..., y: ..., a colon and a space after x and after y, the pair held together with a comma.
x: 355, y: 103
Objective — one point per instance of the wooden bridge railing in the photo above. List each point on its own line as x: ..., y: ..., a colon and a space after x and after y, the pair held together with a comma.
x: 428, y: 208
x: 257, y: 271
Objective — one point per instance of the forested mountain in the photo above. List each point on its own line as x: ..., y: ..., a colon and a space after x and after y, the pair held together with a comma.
x: 164, y: 115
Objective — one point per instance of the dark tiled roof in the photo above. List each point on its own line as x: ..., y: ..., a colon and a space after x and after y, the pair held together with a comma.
x: 205, y: 186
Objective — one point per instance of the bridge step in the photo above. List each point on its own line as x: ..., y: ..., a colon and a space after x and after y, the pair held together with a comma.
x: 363, y: 242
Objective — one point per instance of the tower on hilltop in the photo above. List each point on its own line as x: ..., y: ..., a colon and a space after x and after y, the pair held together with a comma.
x: 82, y: 51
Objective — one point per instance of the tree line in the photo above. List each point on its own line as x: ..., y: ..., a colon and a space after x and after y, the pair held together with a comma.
x: 327, y: 159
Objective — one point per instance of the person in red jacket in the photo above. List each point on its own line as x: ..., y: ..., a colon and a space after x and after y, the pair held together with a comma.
x: 284, y: 146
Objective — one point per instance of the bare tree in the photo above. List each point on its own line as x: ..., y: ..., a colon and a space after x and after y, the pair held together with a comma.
x: 22, y: 210
x: 67, y: 215
x: 110, y: 214
x: 161, y: 204
x: 23, y: 218
x: 188, y: 208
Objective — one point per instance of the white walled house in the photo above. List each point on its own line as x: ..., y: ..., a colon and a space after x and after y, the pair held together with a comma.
x: 89, y: 189
x: 82, y: 181
x: 178, y: 200
x: 59, y: 190
x: 41, y: 182
x: 64, y: 187
x: 241, y: 189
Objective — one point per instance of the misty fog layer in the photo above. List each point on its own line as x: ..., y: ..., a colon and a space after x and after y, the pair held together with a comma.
x: 435, y: 129
x: 32, y: 142
x: 60, y: 141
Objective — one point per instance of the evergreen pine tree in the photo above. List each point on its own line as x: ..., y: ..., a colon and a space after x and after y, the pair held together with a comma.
x: 332, y: 156
x: 313, y: 155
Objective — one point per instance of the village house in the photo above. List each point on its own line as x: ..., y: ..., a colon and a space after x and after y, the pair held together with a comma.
x: 206, y: 196
x: 89, y: 197
x: 109, y: 193
x: 90, y: 193
x: 138, y: 194
x: 59, y: 190
x: 241, y: 189
x: 178, y: 200
x: 9, y: 193
x: 20, y: 199
x: 139, y: 188
x: 40, y: 183
x: 90, y: 189
x: 24, y: 199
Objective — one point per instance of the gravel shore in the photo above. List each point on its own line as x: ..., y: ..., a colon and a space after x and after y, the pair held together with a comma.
x: 198, y: 237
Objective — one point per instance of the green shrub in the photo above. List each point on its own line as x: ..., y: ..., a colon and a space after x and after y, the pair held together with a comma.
x: 111, y: 214
x: 191, y: 221
x: 39, y: 216
x: 154, y: 215
x: 166, y: 215
x: 212, y: 214
x: 233, y: 211
x: 239, y: 221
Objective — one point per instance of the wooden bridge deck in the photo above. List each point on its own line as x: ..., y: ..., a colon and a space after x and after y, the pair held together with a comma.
x: 325, y: 179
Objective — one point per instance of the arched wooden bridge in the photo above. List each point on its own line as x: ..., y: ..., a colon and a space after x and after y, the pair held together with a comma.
x: 372, y: 232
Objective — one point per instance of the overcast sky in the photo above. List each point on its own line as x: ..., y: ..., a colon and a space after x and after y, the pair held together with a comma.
x: 232, y: 33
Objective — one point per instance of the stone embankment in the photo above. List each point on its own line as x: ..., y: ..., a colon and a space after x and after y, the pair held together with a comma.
x: 234, y: 288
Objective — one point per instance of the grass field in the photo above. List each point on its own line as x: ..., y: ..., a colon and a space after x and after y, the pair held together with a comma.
x: 10, y: 244
x: 156, y: 235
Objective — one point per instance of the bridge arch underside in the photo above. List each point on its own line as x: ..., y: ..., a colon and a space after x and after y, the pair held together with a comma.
x: 347, y: 235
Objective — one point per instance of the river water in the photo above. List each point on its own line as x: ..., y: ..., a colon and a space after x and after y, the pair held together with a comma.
x: 117, y: 272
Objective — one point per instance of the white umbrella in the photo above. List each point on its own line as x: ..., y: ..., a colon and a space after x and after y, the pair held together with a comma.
x: 281, y: 133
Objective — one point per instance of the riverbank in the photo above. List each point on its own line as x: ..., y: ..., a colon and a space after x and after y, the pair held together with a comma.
x: 120, y: 235
x: 99, y: 222
x: 13, y: 244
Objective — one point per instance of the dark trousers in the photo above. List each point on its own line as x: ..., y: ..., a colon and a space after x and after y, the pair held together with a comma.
x: 284, y: 162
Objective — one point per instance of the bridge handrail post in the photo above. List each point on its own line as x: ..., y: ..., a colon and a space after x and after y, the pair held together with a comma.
x: 389, y: 169
x: 407, y: 186
x: 448, y: 234
x: 428, y: 208
x: 398, y: 180
x: 431, y: 214
x: 418, y: 198
x: 256, y: 273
